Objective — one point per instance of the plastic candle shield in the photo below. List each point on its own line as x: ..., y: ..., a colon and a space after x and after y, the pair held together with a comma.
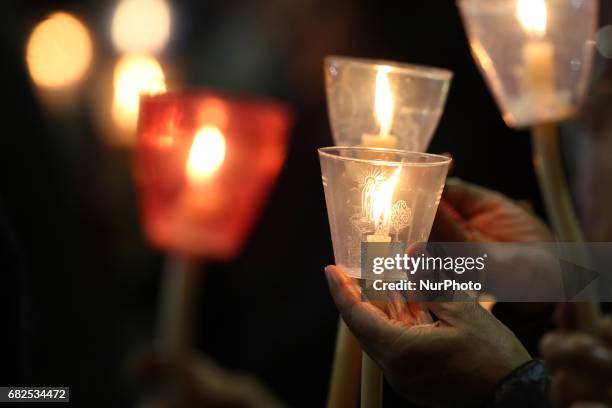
x: 376, y: 195
x: 384, y: 104
x: 204, y: 166
x: 536, y: 55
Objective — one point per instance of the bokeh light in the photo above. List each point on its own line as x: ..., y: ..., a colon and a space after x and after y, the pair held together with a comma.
x: 141, y: 26
x: 59, y: 51
x: 134, y: 75
x: 604, y: 41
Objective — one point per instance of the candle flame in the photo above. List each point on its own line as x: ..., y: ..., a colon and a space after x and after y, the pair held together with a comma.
x: 533, y: 16
x: 133, y: 76
x: 382, y: 203
x: 383, y: 101
x: 206, y: 155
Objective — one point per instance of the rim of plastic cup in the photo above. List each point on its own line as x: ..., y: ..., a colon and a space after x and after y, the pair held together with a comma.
x: 203, y: 92
x: 487, y: 6
x: 405, y: 159
x: 415, y: 70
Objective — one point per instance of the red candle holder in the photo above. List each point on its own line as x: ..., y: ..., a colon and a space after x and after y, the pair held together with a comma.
x: 205, y: 163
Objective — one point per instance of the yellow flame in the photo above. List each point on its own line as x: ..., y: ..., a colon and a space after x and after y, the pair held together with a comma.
x: 59, y: 51
x: 134, y: 75
x: 206, y: 155
x: 382, y: 203
x: 383, y: 101
x: 533, y: 16
x: 141, y: 26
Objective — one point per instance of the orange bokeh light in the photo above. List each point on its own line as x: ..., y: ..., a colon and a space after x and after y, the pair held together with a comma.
x: 133, y: 76
x: 141, y: 26
x: 59, y: 51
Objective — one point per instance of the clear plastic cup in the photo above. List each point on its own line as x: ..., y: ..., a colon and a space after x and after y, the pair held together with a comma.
x: 383, y: 103
x: 379, y: 195
x: 536, y: 55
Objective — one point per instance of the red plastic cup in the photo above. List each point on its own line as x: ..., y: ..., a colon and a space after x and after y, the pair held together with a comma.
x: 205, y: 164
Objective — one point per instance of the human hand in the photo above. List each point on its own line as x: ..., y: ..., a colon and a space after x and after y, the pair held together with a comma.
x: 466, y: 353
x: 196, y: 381
x: 581, y: 365
x: 470, y: 213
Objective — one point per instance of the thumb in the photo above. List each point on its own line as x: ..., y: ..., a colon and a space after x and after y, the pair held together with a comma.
x: 368, y: 323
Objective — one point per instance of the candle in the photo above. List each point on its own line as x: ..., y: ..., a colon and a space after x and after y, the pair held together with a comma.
x: 206, y: 156
x: 365, y: 204
x: 377, y: 204
x: 205, y: 163
x: 383, y: 110
x: 538, y: 54
x: 200, y: 203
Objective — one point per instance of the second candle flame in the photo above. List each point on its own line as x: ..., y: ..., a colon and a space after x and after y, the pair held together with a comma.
x: 383, y: 101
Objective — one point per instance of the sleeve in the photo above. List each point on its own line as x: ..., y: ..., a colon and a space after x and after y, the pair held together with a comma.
x: 526, y: 386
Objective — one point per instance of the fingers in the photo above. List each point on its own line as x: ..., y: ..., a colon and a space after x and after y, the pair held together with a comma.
x: 571, y: 389
x: 190, y: 372
x: 589, y: 405
x: 576, y: 351
x: 420, y: 313
x: 363, y: 318
x: 195, y: 380
x: 398, y: 309
x: 468, y: 199
x: 449, y: 225
x: 582, y: 364
x: 458, y: 314
x: 370, y: 325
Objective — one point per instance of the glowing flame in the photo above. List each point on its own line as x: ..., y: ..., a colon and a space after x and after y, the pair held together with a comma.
x: 141, y: 26
x: 382, y: 203
x: 383, y: 101
x: 134, y: 75
x: 533, y: 16
x: 59, y: 51
x: 206, y: 155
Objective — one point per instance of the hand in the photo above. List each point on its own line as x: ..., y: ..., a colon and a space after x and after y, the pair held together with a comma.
x: 465, y: 354
x: 470, y: 213
x: 196, y: 381
x: 581, y: 365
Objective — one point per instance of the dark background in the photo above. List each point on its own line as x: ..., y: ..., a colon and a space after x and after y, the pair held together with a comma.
x: 79, y: 282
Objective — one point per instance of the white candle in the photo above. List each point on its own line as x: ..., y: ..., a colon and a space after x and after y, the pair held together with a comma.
x: 539, y: 60
x: 538, y: 54
x: 387, y: 142
x: 378, y: 238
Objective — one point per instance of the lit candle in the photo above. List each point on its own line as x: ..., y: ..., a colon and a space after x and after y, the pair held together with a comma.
x: 377, y: 205
x: 206, y: 155
x: 383, y: 109
x: 205, y: 158
x: 538, y: 54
